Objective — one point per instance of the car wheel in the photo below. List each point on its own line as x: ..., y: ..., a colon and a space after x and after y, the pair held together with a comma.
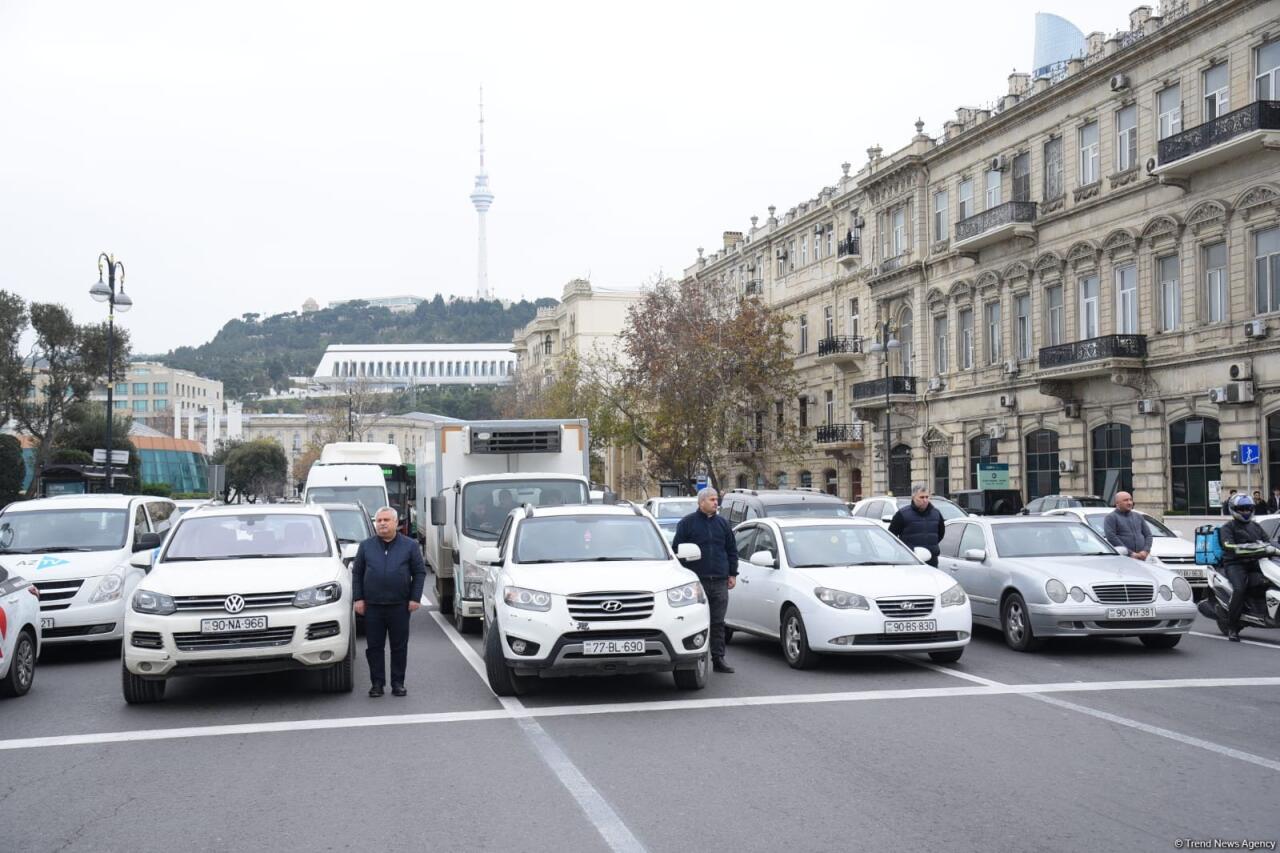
x: 695, y: 678
x: 795, y: 640
x: 502, y: 681
x: 1016, y: 622
x: 444, y: 597
x: 22, y: 668
x: 340, y: 678
x: 465, y: 624
x: 139, y: 690
x: 1160, y: 641
x: 728, y: 635
x: 948, y: 656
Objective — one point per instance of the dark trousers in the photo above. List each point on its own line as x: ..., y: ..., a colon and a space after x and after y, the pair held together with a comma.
x: 379, y: 620
x: 1239, y: 576
x: 717, y: 590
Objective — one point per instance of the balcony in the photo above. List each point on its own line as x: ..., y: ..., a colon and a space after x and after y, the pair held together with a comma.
x: 840, y: 349
x: 1000, y: 223
x: 1094, y: 357
x: 748, y: 447
x: 872, y: 393
x: 754, y: 288
x: 849, y: 252
x: 1239, y: 133
x: 836, y: 438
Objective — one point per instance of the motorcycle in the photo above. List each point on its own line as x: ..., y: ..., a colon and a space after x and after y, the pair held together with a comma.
x: 1262, y: 604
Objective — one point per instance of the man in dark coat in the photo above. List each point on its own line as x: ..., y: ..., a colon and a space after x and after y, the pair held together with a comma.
x: 718, y: 568
x: 919, y: 524
x: 387, y: 577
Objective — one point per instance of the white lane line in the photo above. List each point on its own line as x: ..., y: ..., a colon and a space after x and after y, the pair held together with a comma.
x: 1243, y: 641
x: 946, y: 670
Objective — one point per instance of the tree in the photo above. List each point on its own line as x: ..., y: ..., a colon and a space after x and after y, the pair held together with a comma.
x: 85, y: 431
x: 13, y: 470
x: 257, y: 469
x: 220, y: 455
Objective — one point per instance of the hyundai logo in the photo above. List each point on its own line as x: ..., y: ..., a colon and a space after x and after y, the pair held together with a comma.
x: 611, y: 606
x: 907, y: 605
x: 234, y: 603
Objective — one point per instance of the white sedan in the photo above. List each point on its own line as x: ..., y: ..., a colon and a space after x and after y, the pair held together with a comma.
x: 19, y: 633
x: 843, y: 586
x: 1176, y: 554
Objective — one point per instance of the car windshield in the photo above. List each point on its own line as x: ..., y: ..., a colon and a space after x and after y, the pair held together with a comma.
x: 1098, y: 520
x: 675, y: 509
x: 349, y: 525
x: 485, y: 506
x: 1089, y: 502
x: 50, y: 530
x: 947, y: 508
x: 808, y: 509
x: 588, y: 538
x: 247, y: 535
x: 372, y: 498
x: 843, y: 545
x: 1050, y: 539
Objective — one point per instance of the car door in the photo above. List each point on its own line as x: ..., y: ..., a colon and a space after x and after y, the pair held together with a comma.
x: 977, y: 577
x: 763, y: 581
x: 737, y: 613
x: 949, y: 548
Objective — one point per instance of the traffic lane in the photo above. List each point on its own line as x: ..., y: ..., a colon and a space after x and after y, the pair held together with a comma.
x: 971, y: 773
x: 77, y: 690
x: 433, y: 787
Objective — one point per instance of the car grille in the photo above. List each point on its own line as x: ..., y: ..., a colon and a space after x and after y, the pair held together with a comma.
x: 252, y: 601
x: 197, y: 642
x: 905, y: 608
x: 599, y: 606
x: 1184, y: 560
x: 57, y: 595
x: 320, y: 630
x: 1124, y: 593
x: 904, y: 639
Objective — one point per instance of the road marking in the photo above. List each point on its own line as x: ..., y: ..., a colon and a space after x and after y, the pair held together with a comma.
x: 1265, y: 645
x: 946, y: 670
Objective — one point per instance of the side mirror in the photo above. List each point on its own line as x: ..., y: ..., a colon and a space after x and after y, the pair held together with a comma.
x: 1122, y: 551
x: 763, y: 558
x: 976, y: 555
x: 488, y: 555
x: 146, y: 542
x: 1024, y: 511
x: 886, y: 518
x: 143, y: 560
x: 689, y: 552
x: 438, y: 511
x: 924, y: 555
x: 349, y: 550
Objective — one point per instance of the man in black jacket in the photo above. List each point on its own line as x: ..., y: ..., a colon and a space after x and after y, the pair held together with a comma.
x: 1243, y: 543
x: 718, y: 568
x: 387, y: 577
x: 919, y: 524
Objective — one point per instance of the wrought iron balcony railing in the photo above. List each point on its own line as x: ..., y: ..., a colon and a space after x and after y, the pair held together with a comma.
x: 1107, y: 346
x: 754, y: 288
x: 839, y: 433
x: 748, y: 446
x: 1260, y: 115
x: 839, y: 344
x: 849, y: 246
x: 1002, y: 214
x: 874, y: 388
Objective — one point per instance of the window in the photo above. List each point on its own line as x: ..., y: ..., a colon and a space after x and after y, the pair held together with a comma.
x: 1089, y: 307
x: 828, y: 322
x: 993, y: 188
x: 1266, y: 60
x: 791, y: 256
x: 830, y: 400
x: 853, y: 317
x: 1022, y: 177
x: 964, y: 343
x: 1266, y: 262
x: 983, y: 450
x: 940, y: 215
x: 817, y: 244
x: 804, y: 250
x: 1194, y: 462
x: 1170, y: 294
x: 950, y: 544
x: 139, y: 405
x: 1127, y: 300
x: 1089, y: 154
x: 1112, y: 461
x: 899, y: 231
x: 1022, y: 311
x: 940, y: 344
x: 1053, y: 188
x: 140, y: 388
x: 780, y: 414
x: 782, y: 263
x: 119, y: 404
x: 831, y: 237
x: 122, y: 388
x: 1042, y: 463
x: 1169, y: 106
x: 966, y: 200
x: 1215, y: 282
x: 546, y: 345
x: 804, y: 335
x: 1127, y: 138
x: 159, y: 387
x: 906, y: 334
x: 139, y: 521
x: 1217, y: 95
x: 161, y: 405
x: 942, y: 476
x: 803, y: 402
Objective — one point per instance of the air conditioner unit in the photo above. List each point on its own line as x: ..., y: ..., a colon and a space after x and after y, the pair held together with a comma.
x: 782, y: 254
x: 1071, y: 410
x: 819, y: 230
x: 1119, y: 82
x: 1008, y: 401
x: 996, y: 431
x: 1011, y: 368
x: 1066, y: 466
x: 1255, y: 329
x: 1240, y: 371
x: 1148, y: 407
x: 936, y: 383
x: 999, y: 164
x: 859, y: 222
x: 1234, y: 392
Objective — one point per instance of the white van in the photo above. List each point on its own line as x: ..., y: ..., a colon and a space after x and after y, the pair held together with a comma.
x: 75, y: 549
x: 350, y: 472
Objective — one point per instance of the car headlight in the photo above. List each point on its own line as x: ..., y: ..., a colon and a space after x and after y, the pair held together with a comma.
x: 145, y: 601
x: 1182, y: 589
x: 473, y: 571
x: 314, y: 596
x: 953, y: 596
x: 1056, y: 590
x: 683, y: 596
x: 1165, y: 592
x: 1077, y: 594
x: 110, y: 588
x: 840, y: 599
x: 526, y: 599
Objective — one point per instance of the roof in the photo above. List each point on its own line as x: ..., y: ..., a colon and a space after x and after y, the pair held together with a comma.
x: 164, y: 442
x: 788, y: 496
x: 825, y: 521
x: 75, y: 502
x: 1017, y: 519
x: 615, y: 510
x: 260, y: 509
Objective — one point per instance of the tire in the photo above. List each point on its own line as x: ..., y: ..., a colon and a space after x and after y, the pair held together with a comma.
x: 465, y: 624
x: 728, y: 635
x: 947, y: 656
x: 22, y: 668
x: 444, y: 594
x: 1015, y: 624
x: 1160, y: 641
x: 795, y: 640
x: 502, y: 681
x: 340, y: 678
x: 139, y: 690
x: 696, y: 678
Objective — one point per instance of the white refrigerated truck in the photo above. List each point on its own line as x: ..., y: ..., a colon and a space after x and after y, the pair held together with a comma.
x: 471, y: 474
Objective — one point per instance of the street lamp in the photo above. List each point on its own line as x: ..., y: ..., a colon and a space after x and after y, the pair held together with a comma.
x: 890, y: 344
x: 117, y: 300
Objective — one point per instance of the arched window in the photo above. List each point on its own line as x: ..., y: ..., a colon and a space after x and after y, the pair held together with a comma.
x: 742, y: 481
x: 983, y: 450
x: 1112, y: 460
x: 546, y: 344
x: 1195, y: 458
x: 781, y: 477
x: 855, y: 485
x: 831, y: 481
x: 900, y: 470
x: 1042, y: 464
x: 806, y: 480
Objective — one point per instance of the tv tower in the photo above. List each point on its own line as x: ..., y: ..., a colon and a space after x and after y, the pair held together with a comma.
x: 482, y: 197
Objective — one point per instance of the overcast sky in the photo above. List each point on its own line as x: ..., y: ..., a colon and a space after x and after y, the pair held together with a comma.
x: 243, y: 156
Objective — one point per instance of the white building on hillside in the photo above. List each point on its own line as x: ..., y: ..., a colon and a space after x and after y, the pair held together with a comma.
x: 402, y: 365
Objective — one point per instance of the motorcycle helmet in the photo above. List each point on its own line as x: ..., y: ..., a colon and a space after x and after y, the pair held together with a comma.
x: 1241, y: 508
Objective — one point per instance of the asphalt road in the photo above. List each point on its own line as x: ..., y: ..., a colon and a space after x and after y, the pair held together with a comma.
x: 1100, y: 745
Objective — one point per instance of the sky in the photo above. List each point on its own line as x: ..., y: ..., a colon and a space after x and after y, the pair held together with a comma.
x: 244, y: 156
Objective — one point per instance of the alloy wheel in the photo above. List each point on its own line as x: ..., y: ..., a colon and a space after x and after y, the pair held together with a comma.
x: 793, y: 638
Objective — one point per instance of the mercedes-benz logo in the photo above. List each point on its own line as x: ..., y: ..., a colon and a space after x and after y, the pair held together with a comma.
x: 233, y: 603
x: 612, y: 606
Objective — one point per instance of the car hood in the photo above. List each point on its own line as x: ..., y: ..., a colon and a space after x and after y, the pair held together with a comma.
x: 1171, y: 546
x: 569, y: 578
x: 223, y: 577
x: 878, y: 581
x: 65, y: 565
x: 1086, y: 571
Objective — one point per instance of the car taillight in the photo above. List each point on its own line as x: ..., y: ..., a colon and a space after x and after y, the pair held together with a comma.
x: 32, y: 589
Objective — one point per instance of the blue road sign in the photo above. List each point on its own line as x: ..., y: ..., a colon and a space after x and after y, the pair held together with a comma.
x: 700, y: 483
x: 1250, y: 454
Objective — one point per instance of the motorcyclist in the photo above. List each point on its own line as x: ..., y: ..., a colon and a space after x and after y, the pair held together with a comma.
x: 1244, y: 542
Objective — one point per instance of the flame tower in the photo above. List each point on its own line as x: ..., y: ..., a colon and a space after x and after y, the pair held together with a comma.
x: 482, y: 197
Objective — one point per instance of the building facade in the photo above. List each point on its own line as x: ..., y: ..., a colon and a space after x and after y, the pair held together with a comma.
x: 152, y: 394
x: 393, y: 367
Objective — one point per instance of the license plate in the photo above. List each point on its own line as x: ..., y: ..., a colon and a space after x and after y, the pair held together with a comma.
x: 911, y: 626
x: 613, y: 647
x: 233, y: 623
x: 1131, y: 613
x: 45, y: 624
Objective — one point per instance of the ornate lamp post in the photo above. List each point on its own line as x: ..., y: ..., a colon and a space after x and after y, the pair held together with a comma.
x: 117, y: 300
x: 886, y: 344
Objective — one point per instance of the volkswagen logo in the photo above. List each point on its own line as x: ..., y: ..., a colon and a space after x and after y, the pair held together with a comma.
x: 234, y: 603
x: 612, y: 606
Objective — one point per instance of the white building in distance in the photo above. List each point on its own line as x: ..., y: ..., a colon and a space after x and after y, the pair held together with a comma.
x: 395, y: 366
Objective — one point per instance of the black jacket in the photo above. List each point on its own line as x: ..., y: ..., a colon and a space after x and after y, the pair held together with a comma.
x: 1235, y: 538
x: 388, y: 572
x: 919, y: 529
x: 715, y: 537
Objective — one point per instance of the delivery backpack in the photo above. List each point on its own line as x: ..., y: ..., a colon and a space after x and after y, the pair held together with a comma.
x: 1208, y: 546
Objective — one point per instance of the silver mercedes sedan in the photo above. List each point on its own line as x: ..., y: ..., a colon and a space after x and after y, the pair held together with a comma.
x: 1037, y: 577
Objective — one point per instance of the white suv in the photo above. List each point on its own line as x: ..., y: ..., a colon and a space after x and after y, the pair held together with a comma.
x: 590, y: 590
x: 241, y: 589
x: 76, y: 550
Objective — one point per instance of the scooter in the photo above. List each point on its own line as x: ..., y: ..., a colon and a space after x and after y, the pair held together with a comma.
x: 1261, y: 607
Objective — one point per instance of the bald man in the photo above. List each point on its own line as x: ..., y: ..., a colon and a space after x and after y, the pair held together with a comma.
x: 1128, y: 529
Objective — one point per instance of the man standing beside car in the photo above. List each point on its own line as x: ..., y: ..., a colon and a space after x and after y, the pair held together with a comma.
x: 718, y: 568
x: 920, y: 524
x: 1128, y: 529
x: 387, y: 578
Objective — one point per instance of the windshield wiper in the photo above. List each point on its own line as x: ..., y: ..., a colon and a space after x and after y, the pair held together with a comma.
x: 611, y: 559
x: 191, y: 559
x: 53, y: 549
x: 533, y: 562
